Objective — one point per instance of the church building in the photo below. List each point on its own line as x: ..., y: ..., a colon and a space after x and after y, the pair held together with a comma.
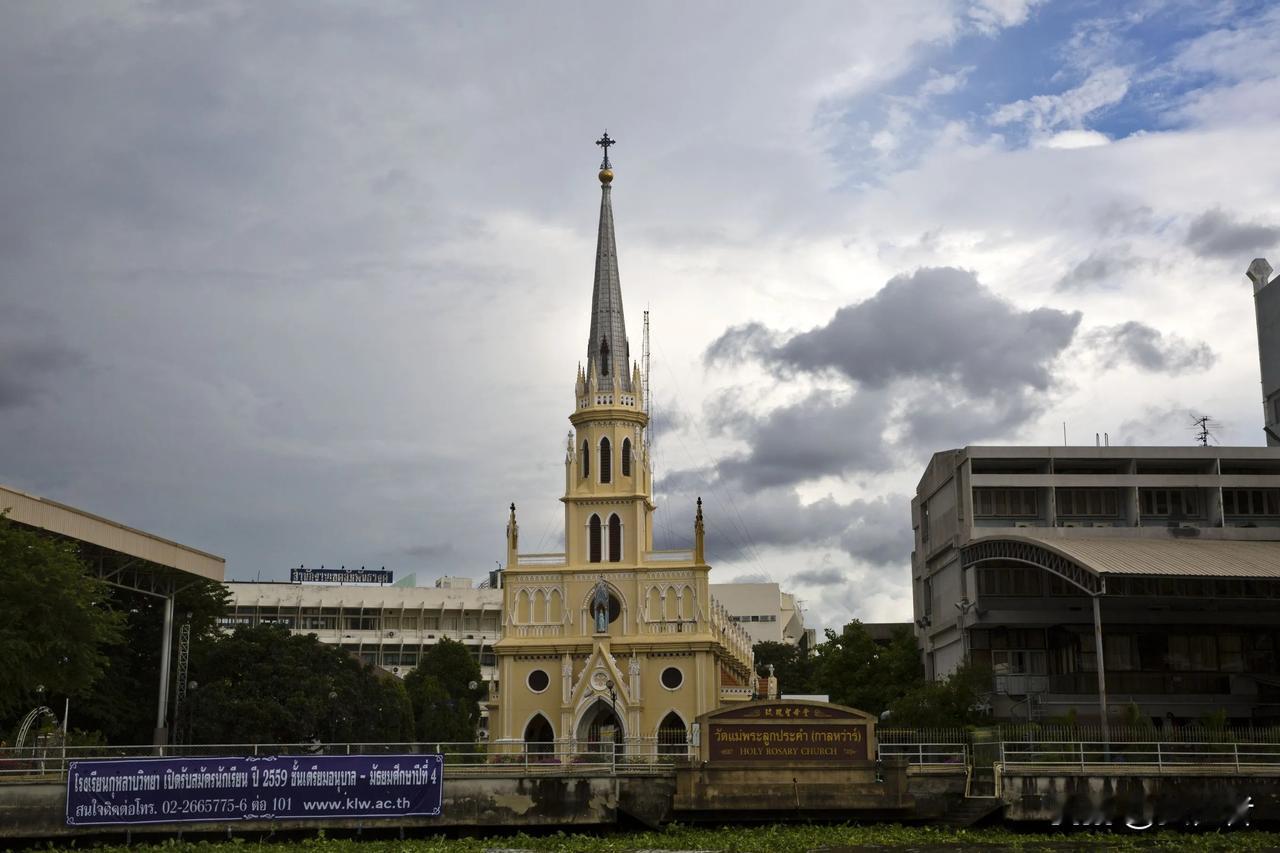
x: 611, y: 641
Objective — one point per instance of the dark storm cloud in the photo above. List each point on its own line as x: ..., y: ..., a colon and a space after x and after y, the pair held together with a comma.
x: 1149, y: 349
x: 29, y: 369
x: 819, y: 577
x: 873, y: 531
x: 939, y: 418
x: 812, y: 438
x: 1214, y: 234
x: 1102, y: 268
x: 938, y: 322
x: 934, y: 354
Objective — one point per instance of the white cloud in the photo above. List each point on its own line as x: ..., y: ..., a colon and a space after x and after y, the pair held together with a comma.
x: 990, y: 16
x: 1070, y: 109
x: 1068, y: 139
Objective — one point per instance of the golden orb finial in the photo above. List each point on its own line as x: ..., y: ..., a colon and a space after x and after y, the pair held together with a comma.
x: 606, y: 176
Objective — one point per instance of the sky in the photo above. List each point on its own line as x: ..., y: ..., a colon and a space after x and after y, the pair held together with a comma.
x: 305, y: 283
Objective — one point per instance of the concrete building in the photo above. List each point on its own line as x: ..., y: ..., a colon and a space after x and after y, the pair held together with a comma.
x: 611, y: 641
x: 765, y: 612
x: 1030, y: 559
x: 1266, y: 306
x: 387, y: 626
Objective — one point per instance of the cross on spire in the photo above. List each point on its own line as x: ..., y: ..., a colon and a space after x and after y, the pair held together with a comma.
x: 604, y: 142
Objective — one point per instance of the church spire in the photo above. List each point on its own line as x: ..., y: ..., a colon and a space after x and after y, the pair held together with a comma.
x: 608, y: 354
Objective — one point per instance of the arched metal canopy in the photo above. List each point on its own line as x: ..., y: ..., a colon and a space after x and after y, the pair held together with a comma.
x: 1034, y: 554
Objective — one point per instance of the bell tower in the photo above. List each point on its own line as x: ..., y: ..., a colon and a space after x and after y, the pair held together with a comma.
x: 608, y: 492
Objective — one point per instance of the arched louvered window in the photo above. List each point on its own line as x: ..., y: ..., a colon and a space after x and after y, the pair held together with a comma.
x: 606, y: 461
x: 593, y: 539
x: 626, y: 457
x: 615, y: 539
x: 584, y: 461
x: 604, y: 357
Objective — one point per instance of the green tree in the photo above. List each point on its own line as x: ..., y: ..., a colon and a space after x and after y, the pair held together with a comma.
x: 791, y: 666
x: 445, y: 690
x: 56, y: 620
x: 952, y: 701
x: 264, y: 685
x: 854, y: 670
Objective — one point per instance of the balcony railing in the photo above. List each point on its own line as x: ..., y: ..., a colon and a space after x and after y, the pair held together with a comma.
x: 1140, y: 683
x: 544, y: 559
x: 556, y: 630
x: 676, y: 556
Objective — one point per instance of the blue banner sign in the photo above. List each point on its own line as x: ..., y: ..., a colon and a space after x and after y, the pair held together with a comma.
x: 339, y: 576
x: 264, y: 787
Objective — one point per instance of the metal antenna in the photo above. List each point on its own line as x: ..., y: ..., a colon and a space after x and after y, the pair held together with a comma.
x: 644, y: 386
x: 1203, y: 426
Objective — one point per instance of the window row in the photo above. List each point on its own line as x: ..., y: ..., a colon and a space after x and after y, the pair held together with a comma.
x: 1251, y: 501
x: 1005, y: 502
x: 606, y: 460
x: 450, y: 622
x: 1106, y: 503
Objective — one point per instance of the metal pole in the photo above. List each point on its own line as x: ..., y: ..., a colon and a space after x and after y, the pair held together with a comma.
x: 1102, y: 673
x: 166, y: 650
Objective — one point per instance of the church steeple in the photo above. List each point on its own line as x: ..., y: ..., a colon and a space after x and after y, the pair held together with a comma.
x: 608, y: 353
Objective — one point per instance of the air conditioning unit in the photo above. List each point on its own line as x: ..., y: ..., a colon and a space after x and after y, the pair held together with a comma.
x: 483, y: 734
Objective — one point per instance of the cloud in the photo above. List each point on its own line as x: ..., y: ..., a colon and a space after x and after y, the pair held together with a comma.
x: 1103, y: 268
x: 30, y: 368
x: 1149, y: 349
x: 830, y: 576
x: 813, y: 438
x: 990, y: 16
x: 740, y: 529
x: 1102, y: 88
x: 1069, y: 139
x: 938, y: 323
x: 1215, y: 234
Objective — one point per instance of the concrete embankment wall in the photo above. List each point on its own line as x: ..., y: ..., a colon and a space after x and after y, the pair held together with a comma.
x: 1116, y: 796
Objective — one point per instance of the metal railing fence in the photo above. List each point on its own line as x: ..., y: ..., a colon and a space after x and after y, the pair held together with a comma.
x: 1160, y: 755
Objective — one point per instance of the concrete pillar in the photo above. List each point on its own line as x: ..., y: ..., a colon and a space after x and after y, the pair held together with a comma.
x: 161, y: 736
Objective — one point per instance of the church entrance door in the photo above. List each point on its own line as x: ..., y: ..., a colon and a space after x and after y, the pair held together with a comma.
x: 600, y: 732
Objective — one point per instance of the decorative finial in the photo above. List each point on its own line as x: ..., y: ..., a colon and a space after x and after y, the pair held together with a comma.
x: 513, y: 508
x: 606, y: 170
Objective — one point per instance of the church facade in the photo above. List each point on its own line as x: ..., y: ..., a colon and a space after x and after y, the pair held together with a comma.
x: 611, y: 641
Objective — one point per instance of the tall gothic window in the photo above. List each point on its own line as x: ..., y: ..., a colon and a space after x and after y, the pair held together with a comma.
x: 593, y: 539
x: 615, y: 539
x: 604, y: 357
x: 626, y: 457
x: 606, y: 460
x: 584, y: 461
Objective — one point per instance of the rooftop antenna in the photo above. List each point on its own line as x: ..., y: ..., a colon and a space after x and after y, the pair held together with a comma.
x: 644, y: 382
x: 1203, y: 426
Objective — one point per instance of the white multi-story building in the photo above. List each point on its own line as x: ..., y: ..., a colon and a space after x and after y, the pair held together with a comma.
x: 387, y: 626
x: 765, y: 612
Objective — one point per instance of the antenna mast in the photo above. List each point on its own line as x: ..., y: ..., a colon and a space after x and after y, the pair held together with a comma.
x: 645, y: 381
x: 1203, y: 426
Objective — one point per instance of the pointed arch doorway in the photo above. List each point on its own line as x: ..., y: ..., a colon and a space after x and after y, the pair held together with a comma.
x: 600, y: 732
x: 539, y: 737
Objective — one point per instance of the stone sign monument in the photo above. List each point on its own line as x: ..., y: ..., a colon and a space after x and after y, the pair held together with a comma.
x: 788, y: 731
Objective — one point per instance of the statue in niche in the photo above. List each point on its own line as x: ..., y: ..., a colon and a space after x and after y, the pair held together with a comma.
x: 600, y: 606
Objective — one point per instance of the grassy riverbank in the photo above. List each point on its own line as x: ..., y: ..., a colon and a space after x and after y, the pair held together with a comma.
x: 763, y: 839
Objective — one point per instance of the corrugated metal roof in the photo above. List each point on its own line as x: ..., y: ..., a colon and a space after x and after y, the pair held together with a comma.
x: 77, y: 524
x: 1201, y: 558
